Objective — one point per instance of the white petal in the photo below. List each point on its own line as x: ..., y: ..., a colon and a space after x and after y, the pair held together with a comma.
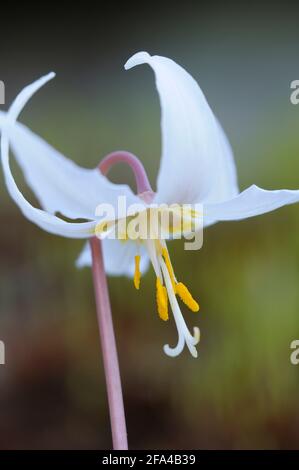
x: 25, y: 95
x: 197, y: 163
x: 44, y: 220
x: 119, y: 257
x: 253, y: 201
x: 59, y: 184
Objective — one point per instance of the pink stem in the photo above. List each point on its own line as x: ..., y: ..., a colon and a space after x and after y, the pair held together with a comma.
x: 110, y: 359
x: 142, y: 182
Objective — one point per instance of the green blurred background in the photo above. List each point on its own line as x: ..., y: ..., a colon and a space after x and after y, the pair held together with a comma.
x: 242, y: 392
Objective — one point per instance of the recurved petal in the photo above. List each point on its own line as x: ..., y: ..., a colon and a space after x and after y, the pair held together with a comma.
x: 197, y: 163
x: 119, y: 257
x: 43, y: 219
x: 59, y: 184
x: 253, y: 201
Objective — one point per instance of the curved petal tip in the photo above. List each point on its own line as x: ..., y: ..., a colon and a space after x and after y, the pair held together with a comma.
x: 51, y: 75
x: 137, y: 59
x: 43, y: 80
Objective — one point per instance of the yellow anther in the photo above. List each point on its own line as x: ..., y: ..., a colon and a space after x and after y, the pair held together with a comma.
x: 182, y: 291
x: 169, y: 266
x: 137, y: 274
x: 162, y: 300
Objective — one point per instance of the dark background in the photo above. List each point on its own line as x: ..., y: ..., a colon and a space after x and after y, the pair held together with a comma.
x: 242, y: 392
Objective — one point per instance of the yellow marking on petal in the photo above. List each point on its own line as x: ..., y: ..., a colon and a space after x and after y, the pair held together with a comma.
x: 169, y: 266
x: 103, y: 227
x: 123, y: 237
x: 192, y: 212
x: 100, y: 227
x: 162, y: 300
x: 137, y: 274
x: 184, y: 294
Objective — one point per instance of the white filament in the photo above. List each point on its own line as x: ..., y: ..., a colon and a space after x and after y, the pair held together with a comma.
x: 184, y: 335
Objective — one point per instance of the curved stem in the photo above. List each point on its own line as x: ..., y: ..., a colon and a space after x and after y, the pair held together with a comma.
x: 108, y: 345
x: 121, y: 156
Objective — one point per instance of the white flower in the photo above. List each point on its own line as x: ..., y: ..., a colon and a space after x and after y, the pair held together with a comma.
x: 197, y: 166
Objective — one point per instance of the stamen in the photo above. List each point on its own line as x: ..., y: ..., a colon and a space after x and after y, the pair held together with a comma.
x: 150, y: 245
x: 162, y: 300
x: 169, y: 266
x: 137, y: 274
x: 184, y: 336
x: 179, y: 288
x: 182, y: 291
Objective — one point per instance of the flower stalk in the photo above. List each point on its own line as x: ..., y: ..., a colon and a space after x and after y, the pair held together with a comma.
x: 109, y: 351
x: 144, y: 189
x: 104, y: 315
